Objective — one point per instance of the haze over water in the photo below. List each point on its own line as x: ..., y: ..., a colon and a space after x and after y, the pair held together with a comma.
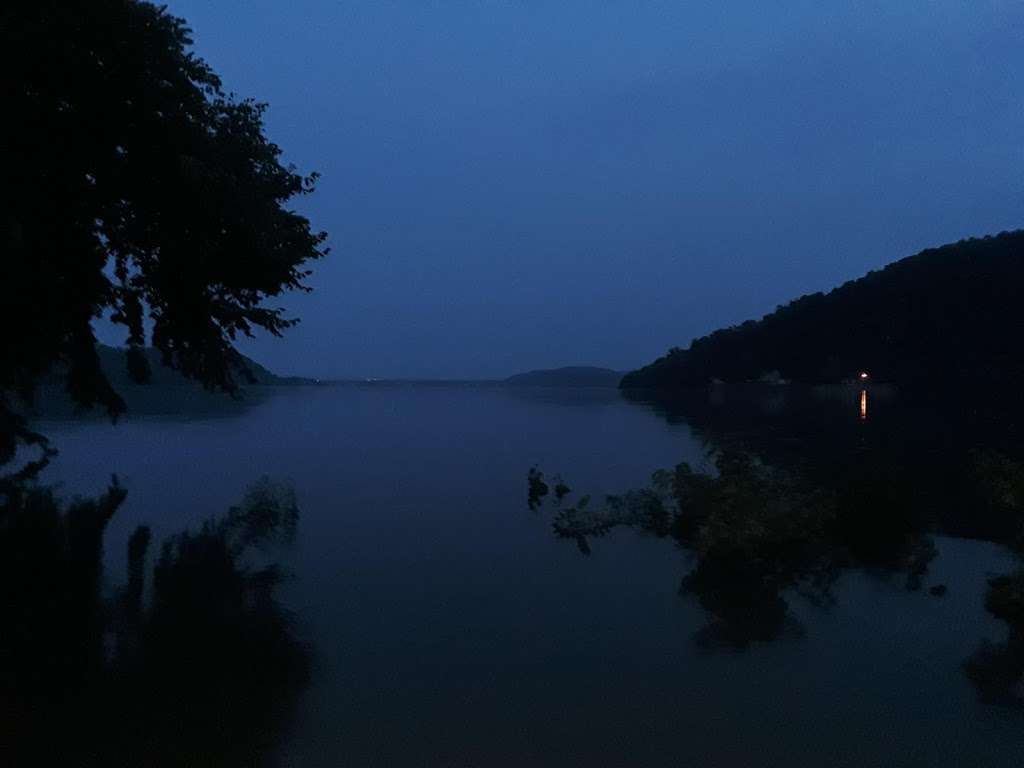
x: 449, y: 626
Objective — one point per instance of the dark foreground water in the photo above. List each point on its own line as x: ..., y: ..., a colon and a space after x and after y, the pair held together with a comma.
x: 449, y: 626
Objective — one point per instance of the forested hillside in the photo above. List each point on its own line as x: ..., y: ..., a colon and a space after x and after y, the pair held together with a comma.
x: 952, y: 313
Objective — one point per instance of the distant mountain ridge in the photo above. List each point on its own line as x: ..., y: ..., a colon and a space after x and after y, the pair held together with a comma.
x: 568, y: 376
x: 946, y: 314
x: 114, y: 365
x: 166, y: 392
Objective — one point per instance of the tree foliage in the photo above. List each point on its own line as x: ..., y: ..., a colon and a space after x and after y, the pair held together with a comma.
x: 137, y: 189
x: 945, y: 314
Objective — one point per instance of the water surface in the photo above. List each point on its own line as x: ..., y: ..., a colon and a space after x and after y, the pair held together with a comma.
x: 449, y: 626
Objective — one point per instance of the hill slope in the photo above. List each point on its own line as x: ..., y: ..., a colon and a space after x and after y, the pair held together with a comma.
x: 166, y: 392
x: 951, y: 313
x: 113, y: 362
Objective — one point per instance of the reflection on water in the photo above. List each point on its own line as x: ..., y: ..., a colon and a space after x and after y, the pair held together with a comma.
x: 199, y: 673
x: 757, y: 533
x: 765, y: 524
x: 450, y: 627
x: 997, y: 669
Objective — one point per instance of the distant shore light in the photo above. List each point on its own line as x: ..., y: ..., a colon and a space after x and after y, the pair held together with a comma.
x: 864, y: 376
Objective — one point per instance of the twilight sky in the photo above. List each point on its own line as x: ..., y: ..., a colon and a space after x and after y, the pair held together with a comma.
x: 516, y: 184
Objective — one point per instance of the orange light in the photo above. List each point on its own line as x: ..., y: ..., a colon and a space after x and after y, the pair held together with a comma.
x: 863, y: 375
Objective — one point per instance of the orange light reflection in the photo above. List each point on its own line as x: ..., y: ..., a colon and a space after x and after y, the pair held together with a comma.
x: 863, y: 404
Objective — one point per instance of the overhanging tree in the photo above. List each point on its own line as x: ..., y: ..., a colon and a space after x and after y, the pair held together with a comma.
x: 135, y: 188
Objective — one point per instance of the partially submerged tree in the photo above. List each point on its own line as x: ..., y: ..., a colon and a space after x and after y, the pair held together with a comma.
x: 136, y: 189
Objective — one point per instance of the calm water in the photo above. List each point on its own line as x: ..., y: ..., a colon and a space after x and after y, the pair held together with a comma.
x: 450, y: 627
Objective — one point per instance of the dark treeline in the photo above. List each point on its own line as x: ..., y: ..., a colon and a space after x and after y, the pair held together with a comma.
x: 945, y: 314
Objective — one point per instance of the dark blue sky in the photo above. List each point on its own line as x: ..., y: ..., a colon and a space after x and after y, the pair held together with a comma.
x: 514, y: 184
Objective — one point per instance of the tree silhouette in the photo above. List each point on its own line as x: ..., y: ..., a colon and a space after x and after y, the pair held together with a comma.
x: 136, y: 189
